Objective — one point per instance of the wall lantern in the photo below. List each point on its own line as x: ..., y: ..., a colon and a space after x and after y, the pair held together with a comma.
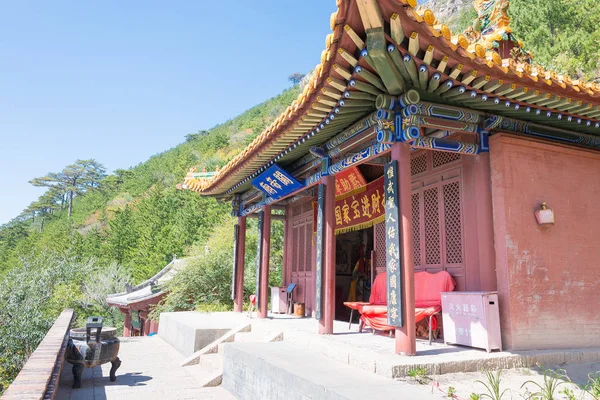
x: 545, y: 215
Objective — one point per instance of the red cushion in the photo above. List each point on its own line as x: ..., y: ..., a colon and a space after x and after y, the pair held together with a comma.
x: 429, y: 286
x: 428, y: 300
x: 379, y: 290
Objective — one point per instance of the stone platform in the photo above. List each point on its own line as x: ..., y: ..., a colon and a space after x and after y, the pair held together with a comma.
x: 273, y: 371
x: 375, y: 353
x: 150, y: 370
x: 191, y: 331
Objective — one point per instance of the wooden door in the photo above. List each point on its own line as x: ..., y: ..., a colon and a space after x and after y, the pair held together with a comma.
x: 302, y: 261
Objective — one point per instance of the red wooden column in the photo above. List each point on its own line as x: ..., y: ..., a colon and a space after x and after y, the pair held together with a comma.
x: 153, y: 326
x: 241, y: 254
x: 127, y: 323
x: 405, y: 337
x: 264, y: 262
x: 328, y: 283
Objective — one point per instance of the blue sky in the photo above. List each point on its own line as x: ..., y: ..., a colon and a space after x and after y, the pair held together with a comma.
x: 119, y: 81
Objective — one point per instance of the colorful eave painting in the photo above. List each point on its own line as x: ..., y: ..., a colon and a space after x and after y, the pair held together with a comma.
x: 391, y: 46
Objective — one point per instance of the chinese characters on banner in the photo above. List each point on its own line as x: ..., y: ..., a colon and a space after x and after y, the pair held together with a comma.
x: 319, y: 249
x: 359, y: 211
x: 392, y: 245
x: 276, y: 183
x: 349, y: 181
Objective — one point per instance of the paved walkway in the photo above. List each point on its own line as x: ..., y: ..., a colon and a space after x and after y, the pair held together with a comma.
x: 150, y: 371
x: 375, y: 353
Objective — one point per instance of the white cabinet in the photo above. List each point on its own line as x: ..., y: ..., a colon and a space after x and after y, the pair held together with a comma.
x: 472, y: 319
x: 278, y: 300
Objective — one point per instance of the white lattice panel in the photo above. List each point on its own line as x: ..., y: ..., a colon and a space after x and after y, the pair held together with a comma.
x: 416, y: 228
x: 380, y: 260
x: 453, y: 223
x: 432, y: 226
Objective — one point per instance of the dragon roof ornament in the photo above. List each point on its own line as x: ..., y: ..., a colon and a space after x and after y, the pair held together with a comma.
x: 492, y: 28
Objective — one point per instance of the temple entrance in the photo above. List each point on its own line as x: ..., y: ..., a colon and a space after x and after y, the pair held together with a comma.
x: 301, y: 256
x: 353, y: 278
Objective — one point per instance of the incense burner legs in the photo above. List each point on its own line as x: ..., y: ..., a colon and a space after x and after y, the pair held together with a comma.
x: 92, y: 346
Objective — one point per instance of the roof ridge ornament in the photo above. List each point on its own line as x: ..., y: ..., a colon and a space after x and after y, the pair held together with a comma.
x: 492, y: 30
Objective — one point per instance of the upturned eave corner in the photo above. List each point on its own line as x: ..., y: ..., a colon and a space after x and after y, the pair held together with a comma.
x: 388, y: 46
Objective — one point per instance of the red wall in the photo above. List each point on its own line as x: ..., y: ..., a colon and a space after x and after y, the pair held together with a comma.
x: 547, y: 276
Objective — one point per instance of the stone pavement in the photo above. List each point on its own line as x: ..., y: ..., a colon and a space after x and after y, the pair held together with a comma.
x: 375, y: 353
x: 150, y: 371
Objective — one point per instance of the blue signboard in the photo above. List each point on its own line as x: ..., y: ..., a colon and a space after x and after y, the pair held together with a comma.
x: 276, y: 183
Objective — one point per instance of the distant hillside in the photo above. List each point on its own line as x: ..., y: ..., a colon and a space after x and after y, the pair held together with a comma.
x: 124, y: 228
x: 457, y: 14
x: 563, y: 35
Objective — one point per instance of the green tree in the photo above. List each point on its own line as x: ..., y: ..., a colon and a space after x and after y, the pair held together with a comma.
x: 74, y: 179
x: 296, y: 77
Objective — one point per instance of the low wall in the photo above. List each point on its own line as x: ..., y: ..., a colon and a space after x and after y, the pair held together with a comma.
x: 39, y: 377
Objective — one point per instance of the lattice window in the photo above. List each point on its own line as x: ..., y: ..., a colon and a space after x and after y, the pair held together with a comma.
x: 380, y: 253
x: 453, y: 225
x: 418, y: 164
x: 295, y: 250
x: 442, y: 158
x: 416, y: 228
x: 432, y: 226
x: 308, y: 245
x: 302, y: 253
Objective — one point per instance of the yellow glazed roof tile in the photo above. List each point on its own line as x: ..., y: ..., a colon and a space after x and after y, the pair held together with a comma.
x: 478, y: 45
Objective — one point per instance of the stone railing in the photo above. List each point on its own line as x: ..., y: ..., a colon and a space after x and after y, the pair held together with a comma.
x: 39, y: 377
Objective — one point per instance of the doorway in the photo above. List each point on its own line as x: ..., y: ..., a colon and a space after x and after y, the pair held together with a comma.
x: 353, y: 269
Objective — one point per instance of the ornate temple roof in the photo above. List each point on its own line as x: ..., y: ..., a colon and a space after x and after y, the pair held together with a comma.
x: 389, y: 46
x: 149, y: 291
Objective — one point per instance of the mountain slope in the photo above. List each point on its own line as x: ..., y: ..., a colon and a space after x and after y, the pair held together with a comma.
x: 125, y: 230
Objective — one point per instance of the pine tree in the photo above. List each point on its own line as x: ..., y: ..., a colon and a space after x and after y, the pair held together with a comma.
x: 74, y: 179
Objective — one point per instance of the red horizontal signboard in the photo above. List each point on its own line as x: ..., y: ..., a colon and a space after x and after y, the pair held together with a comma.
x: 359, y: 211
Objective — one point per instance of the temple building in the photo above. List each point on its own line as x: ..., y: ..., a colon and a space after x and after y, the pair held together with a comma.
x: 138, y: 301
x: 414, y: 148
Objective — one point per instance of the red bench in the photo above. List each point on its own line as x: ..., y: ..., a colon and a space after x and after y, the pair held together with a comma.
x: 428, y: 300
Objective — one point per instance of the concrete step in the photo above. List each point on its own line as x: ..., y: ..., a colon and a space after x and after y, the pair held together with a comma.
x: 253, y: 336
x: 211, y: 362
x: 258, y: 336
x: 205, y: 377
x: 280, y: 370
x: 188, y: 332
x: 214, y: 346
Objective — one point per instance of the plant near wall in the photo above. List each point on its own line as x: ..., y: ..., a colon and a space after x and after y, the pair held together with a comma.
x: 451, y: 392
x: 419, y: 374
x: 593, y: 385
x: 492, y: 386
x: 553, y: 380
x: 568, y: 393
